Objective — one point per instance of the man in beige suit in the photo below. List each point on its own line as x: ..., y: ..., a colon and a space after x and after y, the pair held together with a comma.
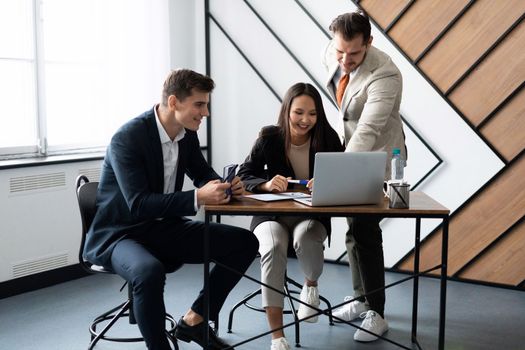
x: 366, y: 86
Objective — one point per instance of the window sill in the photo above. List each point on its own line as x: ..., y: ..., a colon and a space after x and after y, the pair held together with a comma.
x: 53, y: 159
x: 25, y: 162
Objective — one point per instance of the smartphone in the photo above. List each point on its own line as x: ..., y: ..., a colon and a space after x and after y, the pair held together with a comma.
x: 228, y: 173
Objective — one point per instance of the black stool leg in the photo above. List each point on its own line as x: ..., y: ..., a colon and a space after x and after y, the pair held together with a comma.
x: 125, y: 310
x: 241, y: 302
x: 94, y: 339
x: 170, y: 332
x: 293, y: 311
x: 329, y: 307
x: 132, y: 319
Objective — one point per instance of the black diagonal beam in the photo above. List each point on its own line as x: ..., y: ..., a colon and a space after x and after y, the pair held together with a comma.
x: 299, y: 63
x: 439, y: 160
x: 265, y: 81
x: 438, y: 90
x: 208, y: 147
x: 246, y: 58
x: 314, y: 21
x: 501, y: 105
x: 489, y: 247
x: 465, y: 203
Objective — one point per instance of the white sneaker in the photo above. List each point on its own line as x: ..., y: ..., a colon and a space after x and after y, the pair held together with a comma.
x: 280, y: 344
x: 309, y: 295
x: 372, y: 322
x: 350, y: 311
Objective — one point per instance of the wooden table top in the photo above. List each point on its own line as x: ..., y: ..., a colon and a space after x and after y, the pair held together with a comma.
x: 420, y: 205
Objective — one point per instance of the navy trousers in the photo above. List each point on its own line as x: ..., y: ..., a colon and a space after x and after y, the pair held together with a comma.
x: 144, y: 259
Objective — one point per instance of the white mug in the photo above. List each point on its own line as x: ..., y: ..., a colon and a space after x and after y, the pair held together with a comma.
x: 387, y: 188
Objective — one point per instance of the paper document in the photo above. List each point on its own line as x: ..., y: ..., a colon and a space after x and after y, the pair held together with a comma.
x: 269, y: 197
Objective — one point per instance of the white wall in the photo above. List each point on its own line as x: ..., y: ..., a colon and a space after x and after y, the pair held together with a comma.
x: 187, y: 44
x: 39, y: 219
x: 187, y: 40
x: 242, y: 104
x: 40, y: 228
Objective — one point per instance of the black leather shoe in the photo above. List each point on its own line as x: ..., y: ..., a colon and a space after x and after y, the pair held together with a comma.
x: 195, y: 333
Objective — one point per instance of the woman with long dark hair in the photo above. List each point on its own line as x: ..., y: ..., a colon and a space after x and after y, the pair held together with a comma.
x: 282, y: 152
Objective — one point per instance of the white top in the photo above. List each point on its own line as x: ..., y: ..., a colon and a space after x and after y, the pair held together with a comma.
x: 170, y: 156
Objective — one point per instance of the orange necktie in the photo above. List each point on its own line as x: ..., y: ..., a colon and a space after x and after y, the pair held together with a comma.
x: 343, y: 82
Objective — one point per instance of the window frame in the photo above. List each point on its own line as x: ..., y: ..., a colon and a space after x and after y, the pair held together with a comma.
x: 36, y: 144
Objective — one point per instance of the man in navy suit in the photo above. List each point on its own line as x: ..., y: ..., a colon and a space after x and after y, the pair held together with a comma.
x: 139, y: 229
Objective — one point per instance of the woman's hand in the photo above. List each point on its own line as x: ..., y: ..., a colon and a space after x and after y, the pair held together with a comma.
x: 310, y: 185
x: 277, y: 184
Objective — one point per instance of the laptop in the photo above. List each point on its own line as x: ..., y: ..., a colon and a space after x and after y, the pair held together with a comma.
x: 347, y: 178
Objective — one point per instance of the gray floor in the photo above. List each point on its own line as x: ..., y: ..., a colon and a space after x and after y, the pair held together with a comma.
x: 478, y: 317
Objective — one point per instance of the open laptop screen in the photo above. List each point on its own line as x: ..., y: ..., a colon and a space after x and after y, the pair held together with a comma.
x: 347, y: 178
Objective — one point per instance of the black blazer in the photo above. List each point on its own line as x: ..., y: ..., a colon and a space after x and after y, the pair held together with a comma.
x: 269, y: 152
x: 130, y: 194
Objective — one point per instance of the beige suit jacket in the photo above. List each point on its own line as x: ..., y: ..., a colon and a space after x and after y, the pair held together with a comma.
x: 369, y: 113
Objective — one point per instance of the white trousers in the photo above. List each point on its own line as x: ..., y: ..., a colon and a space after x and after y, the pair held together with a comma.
x: 308, y: 237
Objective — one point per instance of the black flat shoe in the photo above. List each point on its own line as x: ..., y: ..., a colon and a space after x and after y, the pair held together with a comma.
x: 188, y: 333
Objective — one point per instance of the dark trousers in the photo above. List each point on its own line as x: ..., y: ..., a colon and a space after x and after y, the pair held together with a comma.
x: 364, y: 244
x: 143, y: 262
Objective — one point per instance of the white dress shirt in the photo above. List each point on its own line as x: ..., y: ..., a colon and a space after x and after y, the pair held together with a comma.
x: 170, y: 156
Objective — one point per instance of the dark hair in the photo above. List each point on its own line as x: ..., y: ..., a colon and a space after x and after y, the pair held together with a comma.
x: 320, y: 132
x: 351, y: 24
x: 180, y: 83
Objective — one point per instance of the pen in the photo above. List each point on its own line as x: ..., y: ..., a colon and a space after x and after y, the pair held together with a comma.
x: 300, y: 182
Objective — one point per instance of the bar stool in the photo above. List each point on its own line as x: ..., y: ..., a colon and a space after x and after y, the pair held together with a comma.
x: 288, y: 282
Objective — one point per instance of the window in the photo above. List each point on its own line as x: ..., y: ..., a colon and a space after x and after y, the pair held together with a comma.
x: 73, y: 71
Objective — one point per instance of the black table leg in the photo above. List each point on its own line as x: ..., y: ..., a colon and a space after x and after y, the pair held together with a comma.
x: 206, y: 287
x: 415, y: 294
x: 443, y: 289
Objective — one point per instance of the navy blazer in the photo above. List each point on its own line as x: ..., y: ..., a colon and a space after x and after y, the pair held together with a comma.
x: 130, y: 194
x: 268, y: 158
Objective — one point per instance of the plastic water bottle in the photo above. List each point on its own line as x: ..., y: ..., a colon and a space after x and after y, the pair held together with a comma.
x: 397, y: 166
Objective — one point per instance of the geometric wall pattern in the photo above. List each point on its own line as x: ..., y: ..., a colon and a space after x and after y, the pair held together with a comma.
x: 472, y: 53
x: 258, y: 49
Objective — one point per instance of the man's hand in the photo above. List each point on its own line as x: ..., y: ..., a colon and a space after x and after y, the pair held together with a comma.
x: 237, y: 186
x: 277, y: 184
x: 214, y: 192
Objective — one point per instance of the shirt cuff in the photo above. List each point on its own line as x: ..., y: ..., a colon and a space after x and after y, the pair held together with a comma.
x: 195, y: 204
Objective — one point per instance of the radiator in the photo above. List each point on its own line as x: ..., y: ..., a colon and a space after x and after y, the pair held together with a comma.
x: 40, y: 224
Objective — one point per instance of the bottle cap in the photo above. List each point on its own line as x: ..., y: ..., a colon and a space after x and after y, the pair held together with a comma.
x: 396, y: 151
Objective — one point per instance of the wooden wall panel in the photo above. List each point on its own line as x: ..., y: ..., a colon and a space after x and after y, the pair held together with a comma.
x: 499, y: 205
x: 506, y: 130
x: 383, y: 12
x: 479, y: 223
x: 423, y: 22
x: 504, y: 263
x: 494, y: 79
x: 470, y: 37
